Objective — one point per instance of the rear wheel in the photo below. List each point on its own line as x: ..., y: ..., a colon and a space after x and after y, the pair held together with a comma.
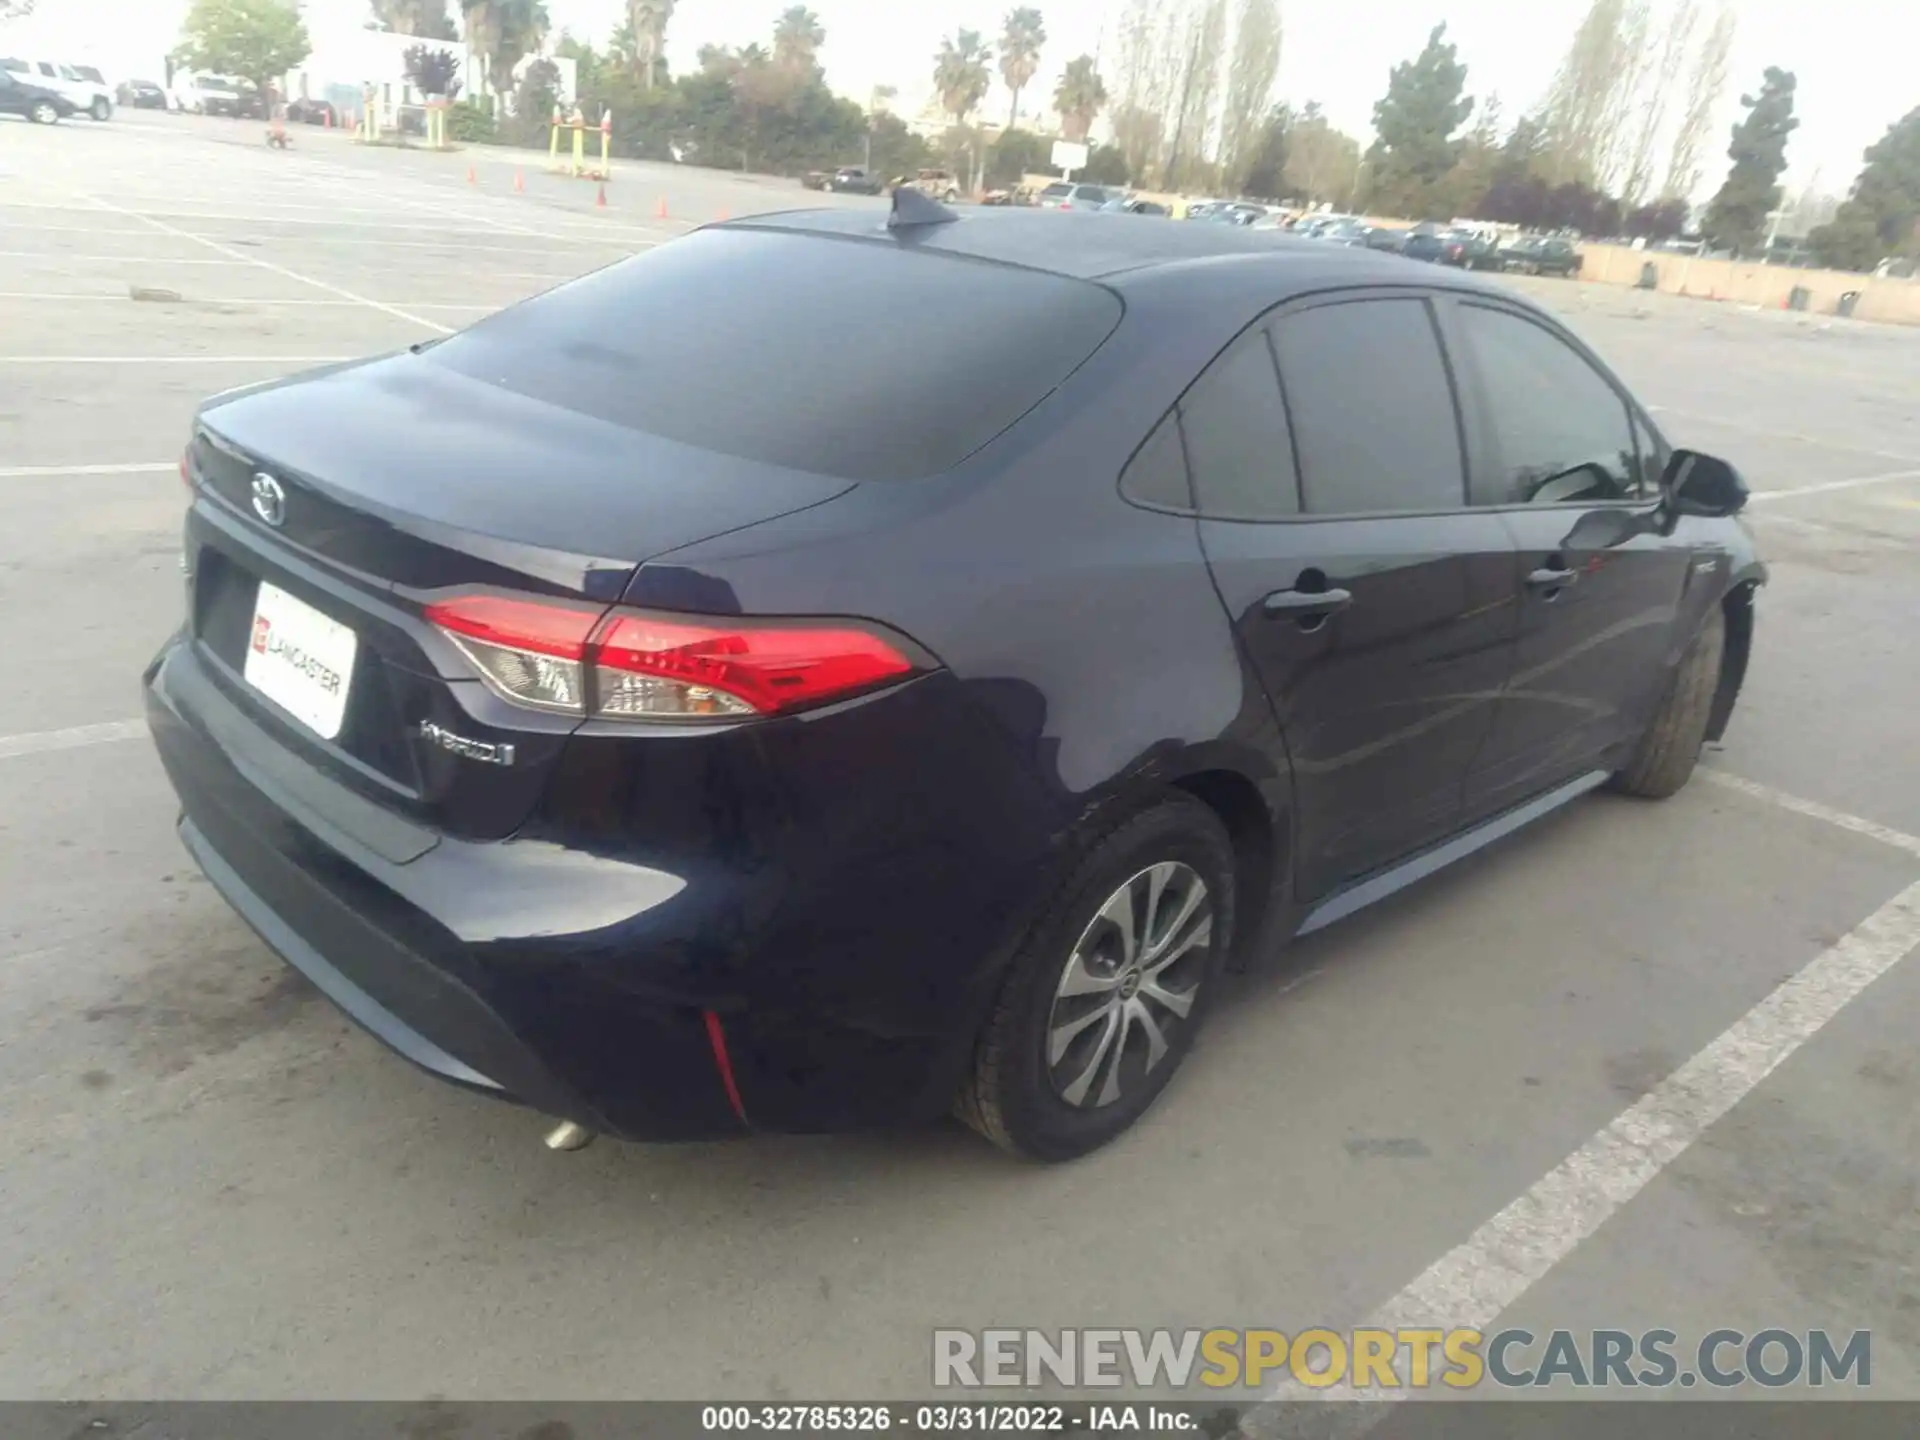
x: 1665, y: 758
x: 1103, y: 998
x: 100, y: 109
x: 44, y: 113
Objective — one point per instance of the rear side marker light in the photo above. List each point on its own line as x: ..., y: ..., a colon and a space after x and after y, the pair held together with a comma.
x: 631, y: 665
x: 717, y: 1039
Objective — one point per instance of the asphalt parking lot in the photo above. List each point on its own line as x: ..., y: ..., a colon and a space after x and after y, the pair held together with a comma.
x: 1642, y: 1065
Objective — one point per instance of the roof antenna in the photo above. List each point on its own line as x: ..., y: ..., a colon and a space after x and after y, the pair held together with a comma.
x: 913, y: 207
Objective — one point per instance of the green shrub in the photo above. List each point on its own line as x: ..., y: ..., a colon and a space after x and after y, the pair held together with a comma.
x: 471, y: 123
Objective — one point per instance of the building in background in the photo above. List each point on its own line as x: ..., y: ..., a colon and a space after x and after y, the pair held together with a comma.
x: 347, y: 58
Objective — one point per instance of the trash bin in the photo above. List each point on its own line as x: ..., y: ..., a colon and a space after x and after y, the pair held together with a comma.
x: 1649, y: 276
x: 1848, y: 300
x: 1798, y: 297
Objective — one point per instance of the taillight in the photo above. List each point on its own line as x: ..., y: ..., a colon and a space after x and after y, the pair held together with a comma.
x: 186, y: 467
x: 632, y: 665
x: 528, y: 651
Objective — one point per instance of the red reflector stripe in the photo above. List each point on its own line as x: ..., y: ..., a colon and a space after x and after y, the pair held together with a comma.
x: 717, y: 1037
x: 536, y: 625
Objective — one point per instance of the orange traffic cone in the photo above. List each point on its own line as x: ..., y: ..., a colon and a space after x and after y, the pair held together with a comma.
x: 663, y: 207
x: 601, y: 201
x: 519, y: 182
x: 472, y: 179
x: 723, y: 216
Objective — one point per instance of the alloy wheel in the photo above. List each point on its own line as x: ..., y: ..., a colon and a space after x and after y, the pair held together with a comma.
x: 1129, y: 985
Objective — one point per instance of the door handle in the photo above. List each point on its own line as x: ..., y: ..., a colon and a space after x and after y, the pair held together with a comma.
x: 1547, y: 578
x: 1306, y: 602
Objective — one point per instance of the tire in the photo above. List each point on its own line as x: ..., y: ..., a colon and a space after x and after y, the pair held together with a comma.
x: 1665, y: 757
x: 1046, y: 1103
x: 100, y: 110
x: 44, y: 113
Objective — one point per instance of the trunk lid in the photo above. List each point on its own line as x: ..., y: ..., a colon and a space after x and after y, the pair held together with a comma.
x: 387, y: 484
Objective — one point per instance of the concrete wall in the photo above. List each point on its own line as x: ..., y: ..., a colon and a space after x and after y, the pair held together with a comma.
x: 1894, y: 301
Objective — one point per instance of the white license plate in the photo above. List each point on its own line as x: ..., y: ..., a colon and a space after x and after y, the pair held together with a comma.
x: 301, y: 660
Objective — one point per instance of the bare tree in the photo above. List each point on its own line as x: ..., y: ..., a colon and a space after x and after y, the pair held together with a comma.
x: 1151, y: 56
x: 1634, y: 60
x: 1662, y: 85
x: 1706, y: 82
x: 1585, y: 100
x: 1195, y: 110
x: 1250, y: 75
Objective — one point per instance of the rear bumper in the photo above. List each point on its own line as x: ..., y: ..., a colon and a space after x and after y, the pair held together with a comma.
x: 566, y: 977
x: 410, y: 952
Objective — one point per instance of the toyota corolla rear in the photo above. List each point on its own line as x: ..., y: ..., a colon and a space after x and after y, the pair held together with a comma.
x: 559, y: 819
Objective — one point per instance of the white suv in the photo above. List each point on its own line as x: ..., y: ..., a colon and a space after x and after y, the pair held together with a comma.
x: 84, y: 85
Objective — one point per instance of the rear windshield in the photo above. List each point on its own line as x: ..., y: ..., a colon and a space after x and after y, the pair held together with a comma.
x: 863, y: 360
x: 88, y: 73
x: 1058, y: 188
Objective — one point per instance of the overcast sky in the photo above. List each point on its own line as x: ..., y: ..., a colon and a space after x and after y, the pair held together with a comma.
x: 1858, y: 61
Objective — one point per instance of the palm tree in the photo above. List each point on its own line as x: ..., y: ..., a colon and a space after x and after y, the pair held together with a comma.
x: 1020, y: 44
x: 649, y: 20
x: 960, y: 73
x: 503, y: 33
x: 1079, y: 96
x: 797, y: 38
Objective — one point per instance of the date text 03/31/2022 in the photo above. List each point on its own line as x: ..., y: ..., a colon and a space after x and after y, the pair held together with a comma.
x: 984, y: 1418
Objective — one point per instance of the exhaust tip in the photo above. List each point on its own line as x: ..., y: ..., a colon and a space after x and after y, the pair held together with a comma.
x: 568, y: 1137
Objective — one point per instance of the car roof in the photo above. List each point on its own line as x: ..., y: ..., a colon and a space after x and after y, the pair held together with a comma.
x: 1087, y: 248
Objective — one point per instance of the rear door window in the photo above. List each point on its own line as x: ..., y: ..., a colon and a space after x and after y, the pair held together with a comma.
x: 854, y: 358
x: 1561, y: 432
x: 1372, y: 408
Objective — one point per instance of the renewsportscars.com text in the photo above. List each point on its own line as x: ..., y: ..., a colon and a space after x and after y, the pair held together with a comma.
x: 1413, y: 1359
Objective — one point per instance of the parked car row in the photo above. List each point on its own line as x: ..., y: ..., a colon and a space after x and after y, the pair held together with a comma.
x: 858, y: 180
x: 80, y: 89
x: 39, y: 104
x: 1459, y: 246
x: 1433, y: 242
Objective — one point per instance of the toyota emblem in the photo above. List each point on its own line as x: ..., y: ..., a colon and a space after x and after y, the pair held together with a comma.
x: 269, y: 500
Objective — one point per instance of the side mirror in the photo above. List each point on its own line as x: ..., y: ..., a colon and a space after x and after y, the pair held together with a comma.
x: 1697, y: 484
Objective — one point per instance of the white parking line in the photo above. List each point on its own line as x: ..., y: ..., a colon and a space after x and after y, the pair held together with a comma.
x: 1872, y: 829
x: 453, y: 247
x: 71, y: 739
x: 56, y: 472
x: 190, y: 300
x: 1827, y: 486
x: 64, y: 258
x: 1796, y: 435
x: 220, y: 249
x: 187, y: 359
x: 613, y: 236
x: 1473, y: 1283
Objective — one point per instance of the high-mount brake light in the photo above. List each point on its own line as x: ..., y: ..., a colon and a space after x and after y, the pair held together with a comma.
x: 630, y: 665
